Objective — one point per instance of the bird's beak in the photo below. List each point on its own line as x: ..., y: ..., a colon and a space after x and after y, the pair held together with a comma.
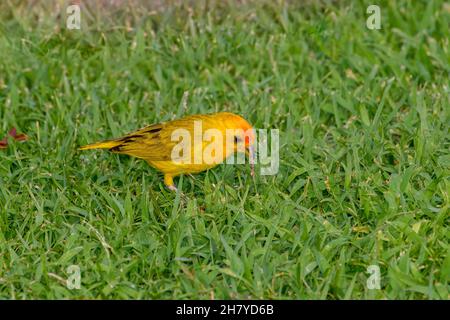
x: 250, y: 152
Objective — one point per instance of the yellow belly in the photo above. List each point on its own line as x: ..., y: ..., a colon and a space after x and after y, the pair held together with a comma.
x: 175, y: 169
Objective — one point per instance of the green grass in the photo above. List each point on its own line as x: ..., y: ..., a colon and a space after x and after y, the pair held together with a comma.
x: 364, y: 120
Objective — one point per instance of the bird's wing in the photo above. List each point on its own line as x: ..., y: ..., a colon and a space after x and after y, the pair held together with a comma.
x: 146, y: 143
x: 158, y: 142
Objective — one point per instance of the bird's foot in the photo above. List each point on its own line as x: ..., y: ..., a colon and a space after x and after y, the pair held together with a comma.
x: 172, y: 188
x: 183, y: 197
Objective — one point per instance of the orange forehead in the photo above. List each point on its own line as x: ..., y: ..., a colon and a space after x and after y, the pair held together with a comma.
x: 248, y: 140
x: 234, y: 121
x: 248, y: 131
x: 249, y: 136
x: 241, y: 123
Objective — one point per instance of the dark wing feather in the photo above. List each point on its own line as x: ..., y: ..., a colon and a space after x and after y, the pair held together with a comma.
x: 154, y: 142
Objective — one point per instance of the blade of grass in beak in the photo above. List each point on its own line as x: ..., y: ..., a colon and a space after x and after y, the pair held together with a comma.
x: 251, y: 159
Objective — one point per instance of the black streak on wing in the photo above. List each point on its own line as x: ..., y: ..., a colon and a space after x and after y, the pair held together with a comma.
x: 132, y: 138
x: 115, y: 149
x: 153, y: 130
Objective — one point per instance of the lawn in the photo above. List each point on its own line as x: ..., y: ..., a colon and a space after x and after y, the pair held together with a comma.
x: 364, y: 177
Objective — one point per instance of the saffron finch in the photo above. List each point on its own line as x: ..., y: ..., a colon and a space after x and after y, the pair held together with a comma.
x: 158, y: 144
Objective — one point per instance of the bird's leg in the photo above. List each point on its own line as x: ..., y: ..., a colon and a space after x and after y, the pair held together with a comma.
x: 250, y: 152
x: 168, y: 181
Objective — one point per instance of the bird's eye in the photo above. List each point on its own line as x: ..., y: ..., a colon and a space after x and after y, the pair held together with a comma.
x: 237, y: 139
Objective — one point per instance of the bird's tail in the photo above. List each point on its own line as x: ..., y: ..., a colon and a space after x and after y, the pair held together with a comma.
x: 107, y: 144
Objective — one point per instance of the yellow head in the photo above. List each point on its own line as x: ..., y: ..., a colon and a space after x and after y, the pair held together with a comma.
x: 243, y: 132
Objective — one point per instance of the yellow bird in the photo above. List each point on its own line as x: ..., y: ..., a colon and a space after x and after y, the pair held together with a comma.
x: 188, y: 145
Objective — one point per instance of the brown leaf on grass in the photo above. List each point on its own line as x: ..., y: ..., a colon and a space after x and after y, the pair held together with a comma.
x: 21, y: 137
x: 12, y: 132
x: 4, y: 143
x: 17, y: 137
